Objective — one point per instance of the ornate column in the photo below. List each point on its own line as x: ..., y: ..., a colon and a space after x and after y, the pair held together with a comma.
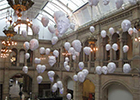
x: 5, y: 87
x: 111, y: 50
x: 136, y: 53
x: 61, y: 57
x: 121, y: 52
x: 77, y: 93
x: 18, y: 56
x: 34, y: 86
x: 97, y: 87
x: 101, y: 52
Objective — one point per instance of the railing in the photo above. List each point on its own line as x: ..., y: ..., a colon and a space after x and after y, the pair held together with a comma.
x: 86, y: 64
x: 92, y: 64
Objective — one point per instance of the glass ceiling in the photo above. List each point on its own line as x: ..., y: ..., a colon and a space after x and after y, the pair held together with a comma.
x: 67, y: 6
x: 75, y: 8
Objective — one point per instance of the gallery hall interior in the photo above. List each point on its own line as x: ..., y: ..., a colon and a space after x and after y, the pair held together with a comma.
x: 70, y: 50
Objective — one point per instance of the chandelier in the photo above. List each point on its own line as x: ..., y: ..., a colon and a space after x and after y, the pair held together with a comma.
x: 91, y: 43
x: 20, y: 5
x: 137, y: 27
x: 5, y: 50
x: 66, y: 54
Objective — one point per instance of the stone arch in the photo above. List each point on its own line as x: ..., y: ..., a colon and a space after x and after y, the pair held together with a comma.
x: 65, y: 79
x: 13, y: 74
x: 88, y: 88
x: 24, y: 82
x: 91, y: 79
x: 127, y: 40
x: 111, y: 82
x: 106, y: 54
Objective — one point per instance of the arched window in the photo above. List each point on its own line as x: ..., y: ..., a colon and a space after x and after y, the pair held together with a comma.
x: 21, y: 27
x: 88, y: 90
x: 126, y: 39
x: 22, y: 57
x: 115, y: 39
x: 70, y: 85
x: 14, y: 57
x: 86, y: 56
x: 118, y: 92
x: 81, y: 54
x: 105, y: 52
x: 30, y: 60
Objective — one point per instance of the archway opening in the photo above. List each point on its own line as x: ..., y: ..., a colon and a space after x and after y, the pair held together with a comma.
x: 118, y: 92
x: 19, y: 85
x: 88, y: 90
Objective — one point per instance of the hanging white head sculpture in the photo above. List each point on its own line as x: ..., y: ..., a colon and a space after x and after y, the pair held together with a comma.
x: 115, y: 46
x: 26, y: 45
x: 93, y: 2
x: 27, y: 55
x: 111, y: 67
x: 51, y: 73
x: 25, y: 69
x: 77, y: 45
x: 36, y: 29
x: 126, y: 68
x: 63, y: 24
x: 58, y: 14
x: 52, y: 60
x: 75, y: 78
x: 81, y: 65
x: 39, y: 79
x: 47, y: 51
x: 67, y: 45
x: 34, y: 44
x: 54, y: 40
x: 130, y: 31
x: 99, y: 70
x: 51, y: 28
x: 125, y: 48
x: 69, y: 96
x: 118, y: 3
x: 42, y: 50
x: 56, y: 53
x: 104, y: 69
x: 108, y: 47
x: 106, y: 2
x: 103, y: 33
x: 45, y: 20
x: 111, y: 30
x: 92, y: 29
x: 125, y: 25
x: 37, y: 60
x: 87, y: 50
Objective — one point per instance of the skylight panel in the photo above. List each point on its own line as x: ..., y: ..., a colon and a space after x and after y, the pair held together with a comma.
x: 3, y: 11
x: 64, y: 8
x: 3, y: 2
x: 47, y: 9
x: 70, y: 4
x: 54, y: 8
x: 50, y: 17
x: 2, y: 16
x: 39, y: 16
x: 4, y: 6
x: 79, y: 2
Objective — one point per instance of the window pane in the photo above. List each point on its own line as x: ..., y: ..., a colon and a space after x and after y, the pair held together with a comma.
x: 64, y: 8
x: 47, y: 9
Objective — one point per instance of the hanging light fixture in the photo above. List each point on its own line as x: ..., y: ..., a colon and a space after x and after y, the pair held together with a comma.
x: 137, y: 28
x: 91, y: 43
x: 20, y: 5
